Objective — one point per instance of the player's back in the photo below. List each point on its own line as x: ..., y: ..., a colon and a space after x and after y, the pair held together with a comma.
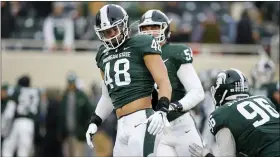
x: 254, y: 123
x: 27, y: 101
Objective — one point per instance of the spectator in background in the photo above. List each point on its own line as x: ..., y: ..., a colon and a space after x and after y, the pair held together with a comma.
x: 173, y: 7
x: 93, y: 8
x: 182, y: 34
x: 244, y: 30
x: 211, y: 30
x: 274, y: 52
x: 59, y: 26
x: 9, y: 25
x: 75, y: 110
x: 52, y: 143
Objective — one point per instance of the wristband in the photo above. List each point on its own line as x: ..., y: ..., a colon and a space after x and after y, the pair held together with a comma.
x: 96, y: 120
x: 163, y: 104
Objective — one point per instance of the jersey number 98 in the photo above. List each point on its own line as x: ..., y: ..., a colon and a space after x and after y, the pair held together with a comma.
x: 118, y: 72
x: 259, y: 106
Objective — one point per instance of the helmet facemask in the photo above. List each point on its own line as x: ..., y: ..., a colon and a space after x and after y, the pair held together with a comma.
x: 158, y: 34
x: 121, y: 26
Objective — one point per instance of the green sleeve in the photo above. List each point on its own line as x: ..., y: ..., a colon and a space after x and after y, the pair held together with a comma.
x: 148, y: 44
x: 217, y: 121
x: 183, y: 54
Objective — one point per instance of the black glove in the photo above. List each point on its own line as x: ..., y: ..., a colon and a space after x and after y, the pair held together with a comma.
x: 175, y: 106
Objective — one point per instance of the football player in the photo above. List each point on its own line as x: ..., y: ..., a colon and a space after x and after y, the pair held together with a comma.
x: 187, y: 90
x: 262, y: 75
x: 129, y: 67
x: 242, y: 124
x: 22, y: 108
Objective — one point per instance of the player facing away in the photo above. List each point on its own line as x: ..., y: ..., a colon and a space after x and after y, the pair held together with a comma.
x: 129, y: 66
x: 242, y: 124
x: 21, y: 112
x: 187, y: 90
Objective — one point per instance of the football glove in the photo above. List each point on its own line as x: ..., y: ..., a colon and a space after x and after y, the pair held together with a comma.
x: 92, y: 128
x: 175, y: 106
x: 157, y: 122
x: 94, y: 122
x: 198, y: 151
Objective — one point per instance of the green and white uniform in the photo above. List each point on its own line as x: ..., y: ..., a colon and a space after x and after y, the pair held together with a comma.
x: 254, y: 124
x: 127, y: 79
x: 183, y: 78
x: 25, y: 102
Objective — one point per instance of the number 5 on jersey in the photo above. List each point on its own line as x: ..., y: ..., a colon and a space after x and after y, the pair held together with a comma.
x: 118, y: 72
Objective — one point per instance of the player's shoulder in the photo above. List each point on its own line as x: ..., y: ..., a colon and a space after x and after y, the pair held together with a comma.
x: 139, y: 40
x: 100, y: 52
x: 220, y: 111
x: 141, y: 37
x: 177, y: 47
x: 179, y: 52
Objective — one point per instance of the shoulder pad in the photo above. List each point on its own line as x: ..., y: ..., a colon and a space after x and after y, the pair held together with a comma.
x: 182, y: 53
x: 101, y: 51
x: 217, y: 119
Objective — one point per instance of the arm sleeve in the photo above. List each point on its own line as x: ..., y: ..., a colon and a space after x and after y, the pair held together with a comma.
x: 192, y: 85
x: 225, y: 143
x: 10, y: 110
x: 105, y: 105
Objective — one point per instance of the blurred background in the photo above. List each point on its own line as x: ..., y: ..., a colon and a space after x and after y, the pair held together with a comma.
x: 54, y: 43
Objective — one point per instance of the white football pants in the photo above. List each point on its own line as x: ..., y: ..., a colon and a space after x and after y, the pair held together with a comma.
x: 20, y: 138
x: 176, y: 141
x: 133, y: 140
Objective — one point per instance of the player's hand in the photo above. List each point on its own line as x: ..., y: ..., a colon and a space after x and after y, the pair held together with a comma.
x: 92, y: 128
x: 198, y: 151
x: 157, y: 122
x: 175, y: 106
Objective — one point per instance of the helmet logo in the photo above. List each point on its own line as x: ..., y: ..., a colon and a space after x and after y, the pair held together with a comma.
x: 104, y: 24
x: 221, y: 78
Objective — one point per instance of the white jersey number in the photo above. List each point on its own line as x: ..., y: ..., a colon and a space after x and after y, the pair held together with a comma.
x: 118, y: 72
x: 28, y: 101
x: 260, y: 107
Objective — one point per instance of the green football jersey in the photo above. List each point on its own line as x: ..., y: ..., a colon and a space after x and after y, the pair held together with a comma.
x: 254, y: 123
x: 27, y: 102
x: 125, y: 74
x: 174, y: 55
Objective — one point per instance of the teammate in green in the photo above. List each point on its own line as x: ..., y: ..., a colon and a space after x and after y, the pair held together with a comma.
x: 242, y: 124
x: 187, y: 90
x: 20, y: 115
x: 129, y: 66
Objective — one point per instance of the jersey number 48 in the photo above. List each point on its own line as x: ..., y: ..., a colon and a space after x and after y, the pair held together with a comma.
x: 118, y: 72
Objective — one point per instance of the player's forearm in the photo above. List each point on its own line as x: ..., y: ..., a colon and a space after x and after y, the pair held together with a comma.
x: 104, y: 107
x: 192, y: 84
x: 165, y: 88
